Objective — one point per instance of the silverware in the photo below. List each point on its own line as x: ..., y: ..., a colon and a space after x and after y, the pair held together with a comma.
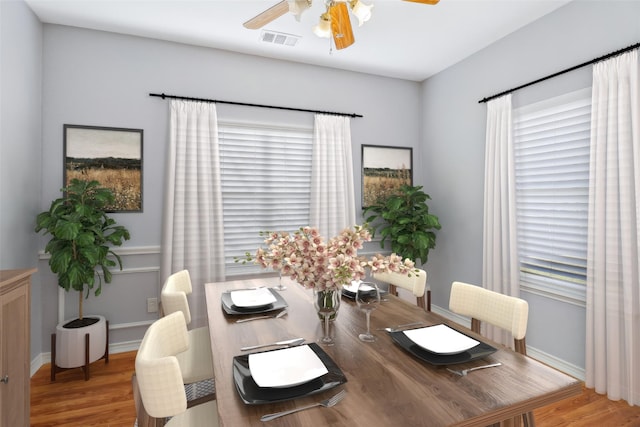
x: 399, y: 327
x: 326, y: 403
x: 228, y: 291
x: 466, y: 371
x: 291, y: 343
x: 249, y: 319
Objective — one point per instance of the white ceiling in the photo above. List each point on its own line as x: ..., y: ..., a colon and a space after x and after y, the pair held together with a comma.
x: 402, y: 39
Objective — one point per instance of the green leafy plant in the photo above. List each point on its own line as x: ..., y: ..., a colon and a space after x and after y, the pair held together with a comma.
x: 81, y: 236
x: 405, y: 220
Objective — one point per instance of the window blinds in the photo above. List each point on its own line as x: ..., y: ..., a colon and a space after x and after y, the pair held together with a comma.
x: 551, y: 142
x: 266, y: 179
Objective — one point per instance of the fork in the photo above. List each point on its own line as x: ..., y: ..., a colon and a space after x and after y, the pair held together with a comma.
x: 248, y: 319
x: 289, y: 343
x: 326, y: 403
x: 466, y: 371
x: 400, y: 327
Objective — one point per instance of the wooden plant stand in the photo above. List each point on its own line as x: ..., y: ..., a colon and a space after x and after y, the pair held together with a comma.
x: 85, y: 368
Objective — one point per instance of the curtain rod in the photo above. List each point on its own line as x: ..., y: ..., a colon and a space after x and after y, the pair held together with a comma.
x: 575, y: 67
x: 186, y: 98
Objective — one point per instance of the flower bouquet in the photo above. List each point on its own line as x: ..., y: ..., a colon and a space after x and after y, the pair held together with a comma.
x: 325, y: 267
x: 306, y: 258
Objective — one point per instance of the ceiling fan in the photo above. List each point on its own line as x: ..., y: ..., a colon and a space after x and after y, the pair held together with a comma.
x: 334, y: 22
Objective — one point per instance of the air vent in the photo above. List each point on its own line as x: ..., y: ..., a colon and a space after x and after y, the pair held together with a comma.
x: 283, y: 39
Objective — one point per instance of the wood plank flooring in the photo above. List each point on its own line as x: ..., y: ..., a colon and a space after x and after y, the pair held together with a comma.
x: 107, y: 400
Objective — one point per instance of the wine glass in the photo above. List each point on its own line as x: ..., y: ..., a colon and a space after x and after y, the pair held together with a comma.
x: 280, y: 286
x: 368, y: 299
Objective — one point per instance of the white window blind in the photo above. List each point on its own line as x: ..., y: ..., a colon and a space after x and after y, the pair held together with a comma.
x: 551, y: 141
x: 266, y: 179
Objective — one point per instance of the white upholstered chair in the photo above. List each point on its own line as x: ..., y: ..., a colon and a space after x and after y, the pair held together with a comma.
x: 197, y: 362
x: 416, y: 284
x: 506, y: 312
x: 159, y: 379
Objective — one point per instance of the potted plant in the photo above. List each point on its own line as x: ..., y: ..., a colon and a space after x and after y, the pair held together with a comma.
x: 81, y: 236
x: 404, y: 219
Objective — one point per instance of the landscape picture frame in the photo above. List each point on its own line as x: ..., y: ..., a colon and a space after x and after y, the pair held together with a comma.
x: 112, y: 156
x: 384, y: 170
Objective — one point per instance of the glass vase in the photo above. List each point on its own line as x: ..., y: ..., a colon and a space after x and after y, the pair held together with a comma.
x: 327, y: 303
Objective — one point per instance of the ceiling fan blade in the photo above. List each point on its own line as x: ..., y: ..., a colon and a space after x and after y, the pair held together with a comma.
x: 341, y: 25
x: 424, y: 1
x: 271, y: 14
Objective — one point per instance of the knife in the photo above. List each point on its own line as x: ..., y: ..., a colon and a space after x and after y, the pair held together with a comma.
x: 294, y: 341
x: 228, y: 291
x: 249, y: 319
x: 399, y: 327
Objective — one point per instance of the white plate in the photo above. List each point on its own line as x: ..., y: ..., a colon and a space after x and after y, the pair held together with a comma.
x: 353, y: 287
x: 286, y: 368
x: 249, y: 298
x: 441, y: 339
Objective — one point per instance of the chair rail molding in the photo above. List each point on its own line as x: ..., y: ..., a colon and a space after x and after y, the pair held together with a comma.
x: 122, y: 251
x: 123, y: 302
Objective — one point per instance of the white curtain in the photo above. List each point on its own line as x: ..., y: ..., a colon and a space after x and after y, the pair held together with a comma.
x: 192, y: 232
x: 333, y: 204
x: 613, y: 289
x: 500, y: 255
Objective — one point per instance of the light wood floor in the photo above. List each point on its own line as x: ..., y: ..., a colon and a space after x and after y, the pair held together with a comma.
x: 107, y: 400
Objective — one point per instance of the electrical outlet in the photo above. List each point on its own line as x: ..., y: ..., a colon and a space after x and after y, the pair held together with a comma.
x: 152, y: 305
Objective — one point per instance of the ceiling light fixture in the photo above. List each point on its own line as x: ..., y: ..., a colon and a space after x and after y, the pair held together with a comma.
x: 323, y: 28
x: 336, y: 21
x: 361, y: 11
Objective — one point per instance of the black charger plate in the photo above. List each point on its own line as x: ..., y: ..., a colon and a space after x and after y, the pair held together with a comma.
x: 478, y: 352
x: 252, y: 394
x: 230, y: 308
x: 352, y: 295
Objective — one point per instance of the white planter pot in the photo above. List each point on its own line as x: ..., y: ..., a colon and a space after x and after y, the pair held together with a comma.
x: 70, y: 343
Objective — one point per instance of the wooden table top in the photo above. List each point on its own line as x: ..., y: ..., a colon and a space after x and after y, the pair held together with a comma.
x: 386, y: 386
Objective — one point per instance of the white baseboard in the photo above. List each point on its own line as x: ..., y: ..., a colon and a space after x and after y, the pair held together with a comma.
x: 122, y: 347
x: 553, y: 361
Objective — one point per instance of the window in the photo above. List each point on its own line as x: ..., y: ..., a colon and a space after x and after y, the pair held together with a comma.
x: 551, y: 141
x: 266, y: 180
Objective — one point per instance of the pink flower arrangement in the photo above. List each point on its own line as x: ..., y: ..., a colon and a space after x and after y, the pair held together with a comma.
x: 306, y: 258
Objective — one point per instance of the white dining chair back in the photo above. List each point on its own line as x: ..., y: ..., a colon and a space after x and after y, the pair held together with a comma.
x: 506, y: 312
x: 159, y: 378
x: 174, y: 294
x: 482, y: 305
x: 415, y: 282
x: 196, y: 363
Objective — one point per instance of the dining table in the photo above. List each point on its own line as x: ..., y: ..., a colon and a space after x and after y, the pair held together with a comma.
x: 385, y: 384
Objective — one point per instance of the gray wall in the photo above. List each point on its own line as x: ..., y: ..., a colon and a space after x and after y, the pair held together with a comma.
x: 20, y: 143
x: 52, y: 75
x: 104, y: 79
x: 454, y: 134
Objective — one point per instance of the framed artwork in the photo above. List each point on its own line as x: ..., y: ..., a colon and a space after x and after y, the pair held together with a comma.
x: 384, y: 170
x: 111, y: 156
